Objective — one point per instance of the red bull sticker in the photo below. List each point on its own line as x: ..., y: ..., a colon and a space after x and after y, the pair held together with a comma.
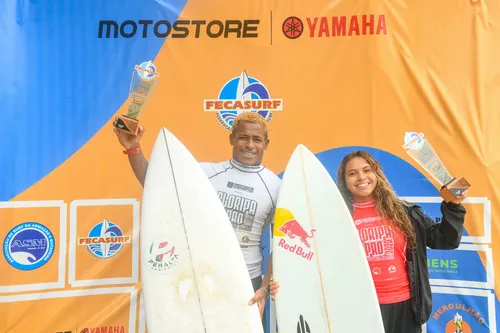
x: 293, y: 237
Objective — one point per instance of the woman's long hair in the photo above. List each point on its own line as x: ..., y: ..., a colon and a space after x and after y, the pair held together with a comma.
x: 388, y: 205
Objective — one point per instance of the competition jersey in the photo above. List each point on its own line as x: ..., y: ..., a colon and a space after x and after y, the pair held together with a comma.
x: 385, y: 249
x: 249, y: 195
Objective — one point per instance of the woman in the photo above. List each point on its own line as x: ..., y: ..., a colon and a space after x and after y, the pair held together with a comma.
x: 399, y: 270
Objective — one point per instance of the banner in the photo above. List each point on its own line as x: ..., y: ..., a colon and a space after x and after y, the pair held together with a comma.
x: 334, y: 76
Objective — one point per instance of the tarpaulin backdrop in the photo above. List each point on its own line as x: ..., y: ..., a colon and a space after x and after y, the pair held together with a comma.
x: 342, y: 74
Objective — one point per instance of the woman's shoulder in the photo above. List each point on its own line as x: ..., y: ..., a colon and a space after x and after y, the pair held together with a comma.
x: 413, y: 210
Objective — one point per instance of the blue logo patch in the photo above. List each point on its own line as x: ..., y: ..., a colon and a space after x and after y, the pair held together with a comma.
x: 413, y: 140
x: 147, y: 70
x: 28, y: 246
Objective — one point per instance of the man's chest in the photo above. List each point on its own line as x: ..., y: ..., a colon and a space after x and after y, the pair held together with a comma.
x: 244, y: 199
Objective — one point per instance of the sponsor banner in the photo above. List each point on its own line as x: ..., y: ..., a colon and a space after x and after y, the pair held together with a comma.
x: 356, y: 75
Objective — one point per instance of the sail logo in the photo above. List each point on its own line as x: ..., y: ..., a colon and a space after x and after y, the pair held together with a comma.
x: 242, y: 94
x: 105, y: 240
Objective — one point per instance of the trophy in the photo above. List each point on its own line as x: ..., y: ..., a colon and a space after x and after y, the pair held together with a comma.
x: 144, y: 79
x: 422, y: 152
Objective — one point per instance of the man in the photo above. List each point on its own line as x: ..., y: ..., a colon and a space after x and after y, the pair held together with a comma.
x: 246, y: 188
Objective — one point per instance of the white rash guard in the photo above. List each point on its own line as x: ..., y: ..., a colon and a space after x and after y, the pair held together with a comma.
x: 249, y: 195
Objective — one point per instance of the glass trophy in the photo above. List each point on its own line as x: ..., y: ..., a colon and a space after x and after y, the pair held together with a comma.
x: 419, y: 148
x: 144, y: 79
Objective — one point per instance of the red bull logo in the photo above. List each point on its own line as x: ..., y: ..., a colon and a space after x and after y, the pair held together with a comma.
x: 293, y: 229
x: 292, y: 234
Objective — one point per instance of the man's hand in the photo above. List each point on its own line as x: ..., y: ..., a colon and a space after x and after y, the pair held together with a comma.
x: 260, y: 298
x: 127, y: 140
x: 274, y: 287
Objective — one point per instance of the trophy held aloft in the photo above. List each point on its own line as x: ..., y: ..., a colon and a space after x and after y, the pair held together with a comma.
x: 422, y: 152
x: 144, y: 79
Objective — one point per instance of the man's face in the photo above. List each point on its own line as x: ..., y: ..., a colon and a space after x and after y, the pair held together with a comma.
x: 249, y: 143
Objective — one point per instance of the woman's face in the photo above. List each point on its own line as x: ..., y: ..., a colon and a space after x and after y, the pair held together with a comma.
x: 360, y: 179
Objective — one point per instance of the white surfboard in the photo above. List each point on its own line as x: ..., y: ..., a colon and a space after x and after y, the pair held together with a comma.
x: 193, y: 273
x: 318, y: 259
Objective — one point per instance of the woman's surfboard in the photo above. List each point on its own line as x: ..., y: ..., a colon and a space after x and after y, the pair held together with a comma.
x: 318, y: 259
x: 193, y: 273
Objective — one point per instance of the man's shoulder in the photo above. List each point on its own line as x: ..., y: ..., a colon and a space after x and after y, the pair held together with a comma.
x: 270, y: 178
x: 271, y: 175
x: 213, y: 168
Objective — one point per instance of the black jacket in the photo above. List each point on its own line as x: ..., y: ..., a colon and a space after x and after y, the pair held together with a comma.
x: 442, y: 236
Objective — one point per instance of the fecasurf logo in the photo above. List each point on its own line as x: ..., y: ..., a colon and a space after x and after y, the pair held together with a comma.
x: 179, y: 28
x: 105, y: 240
x: 335, y: 26
x: 146, y: 70
x: 242, y: 94
x: 414, y: 140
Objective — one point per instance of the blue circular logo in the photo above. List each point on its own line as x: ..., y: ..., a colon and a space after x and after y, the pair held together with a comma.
x: 28, y: 246
x: 105, y: 240
x: 245, y: 89
x: 414, y: 140
x: 147, y: 70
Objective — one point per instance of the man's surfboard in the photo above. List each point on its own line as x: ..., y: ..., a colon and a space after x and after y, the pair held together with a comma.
x: 193, y: 272
x: 318, y: 259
